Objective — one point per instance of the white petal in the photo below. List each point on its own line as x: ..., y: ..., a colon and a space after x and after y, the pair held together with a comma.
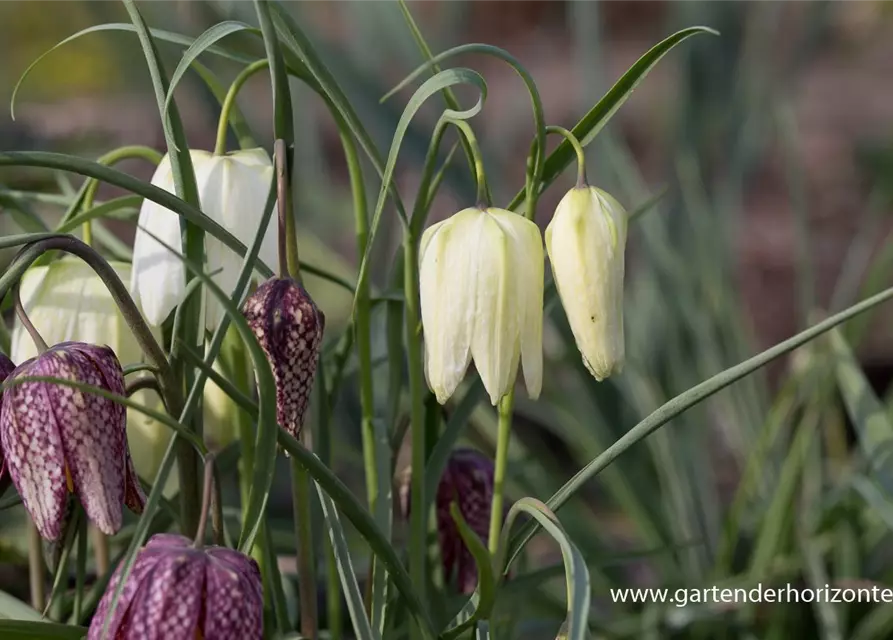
x: 528, y: 265
x: 157, y: 279
x: 234, y: 194
x: 494, y: 342
x: 445, y: 280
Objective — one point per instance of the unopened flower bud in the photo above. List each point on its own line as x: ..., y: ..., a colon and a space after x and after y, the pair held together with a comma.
x: 180, y: 592
x: 289, y: 327
x: 585, y: 241
x: 58, y: 439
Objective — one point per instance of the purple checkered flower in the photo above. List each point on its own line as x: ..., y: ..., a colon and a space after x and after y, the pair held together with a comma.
x: 6, y: 367
x: 58, y: 439
x: 467, y: 480
x: 289, y: 327
x: 177, y: 591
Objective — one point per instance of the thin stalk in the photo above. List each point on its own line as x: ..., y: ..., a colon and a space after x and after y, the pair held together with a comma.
x: 38, y: 340
x: 81, y: 568
x: 230, y: 100
x: 100, y: 549
x: 300, y: 481
x: 207, y: 493
x: 578, y: 149
x: 36, y: 568
x: 503, y: 436
x: 281, y: 158
x: 483, y: 191
x: 418, y: 516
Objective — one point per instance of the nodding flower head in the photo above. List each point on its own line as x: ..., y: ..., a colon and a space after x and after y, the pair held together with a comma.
x: 177, y: 591
x: 289, y: 328
x: 60, y: 440
x: 467, y: 480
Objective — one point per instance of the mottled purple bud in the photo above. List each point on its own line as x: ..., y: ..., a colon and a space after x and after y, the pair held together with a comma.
x: 289, y: 328
x: 468, y: 481
x: 59, y: 439
x: 179, y: 592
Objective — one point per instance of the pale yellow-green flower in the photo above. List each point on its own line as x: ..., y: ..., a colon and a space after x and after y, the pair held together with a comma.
x: 585, y: 241
x: 481, y: 285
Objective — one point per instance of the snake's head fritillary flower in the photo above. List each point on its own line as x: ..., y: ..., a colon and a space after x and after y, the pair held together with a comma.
x: 289, y: 327
x: 66, y: 301
x: 467, y: 481
x: 586, y: 240
x: 60, y: 440
x: 180, y: 592
x: 481, y: 287
x: 232, y: 190
x: 6, y: 367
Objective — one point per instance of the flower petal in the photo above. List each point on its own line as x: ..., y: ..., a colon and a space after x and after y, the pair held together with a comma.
x: 157, y: 281
x: 495, y: 339
x: 528, y: 267
x: 234, y: 194
x: 144, y: 564
x: 32, y: 445
x: 169, y: 599
x: 92, y: 428
x: 447, y: 262
x: 234, y: 597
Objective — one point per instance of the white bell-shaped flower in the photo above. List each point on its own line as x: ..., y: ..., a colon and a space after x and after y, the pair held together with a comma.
x: 481, y: 287
x: 233, y: 190
x: 586, y: 240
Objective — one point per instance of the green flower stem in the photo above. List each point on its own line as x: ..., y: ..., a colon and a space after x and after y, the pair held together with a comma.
x: 230, y: 100
x: 300, y: 486
x: 483, y: 191
x: 38, y: 340
x: 503, y: 436
x: 92, y: 185
x: 578, y: 149
x: 36, y: 568
x: 418, y: 515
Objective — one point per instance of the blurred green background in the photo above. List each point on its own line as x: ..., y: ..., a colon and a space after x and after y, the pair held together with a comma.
x: 773, y: 148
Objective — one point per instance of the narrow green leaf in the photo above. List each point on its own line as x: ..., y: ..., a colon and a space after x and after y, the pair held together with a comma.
x: 867, y: 413
x: 361, y: 625
x: 121, y: 208
x: 597, y: 117
x: 689, y: 398
x: 12, y: 608
x: 199, y: 46
x: 167, y: 36
x: 575, y: 570
x: 21, y: 630
x: 486, y: 589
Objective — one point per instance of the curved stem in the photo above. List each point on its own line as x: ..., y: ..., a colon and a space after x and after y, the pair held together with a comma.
x: 503, y: 436
x: 207, y: 492
x: 230, y: 100
x: 39, y: 342
x: 141, y: 384
x: 167, y: 381
x: 578, y: 149
x: 418, y: 516
x: 483, y: 191
x: 282, y: 199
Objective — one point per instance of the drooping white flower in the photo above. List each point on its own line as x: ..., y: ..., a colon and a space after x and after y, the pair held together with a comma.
x: 586, y: 240
x: 233, y: 190
x: 481, y: 286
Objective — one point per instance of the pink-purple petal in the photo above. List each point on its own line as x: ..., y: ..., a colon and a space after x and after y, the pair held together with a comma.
x: 32, y: 444
x: 169, y: 600
x: 289, y: 327
x: 234, y: 597
x: 143, y: 565
x: 93, y: 434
